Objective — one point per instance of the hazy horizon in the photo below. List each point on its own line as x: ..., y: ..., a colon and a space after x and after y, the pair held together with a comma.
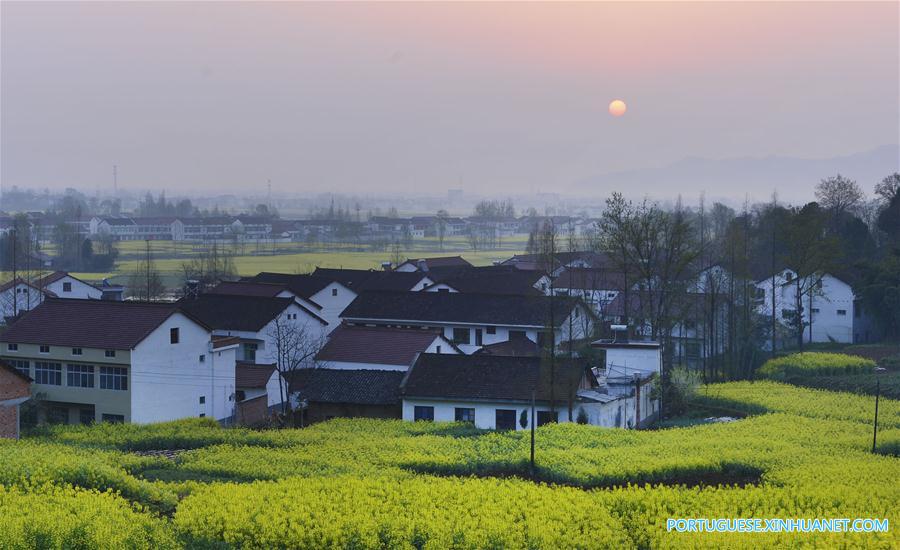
x: 418, y: 98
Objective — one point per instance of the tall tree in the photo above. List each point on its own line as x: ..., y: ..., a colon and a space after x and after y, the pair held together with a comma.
x: 839, y: 194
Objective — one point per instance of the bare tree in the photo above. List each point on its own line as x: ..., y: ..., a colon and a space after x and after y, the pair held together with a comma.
x: 295, y: 345
x: 145, y: 283
x: 888, y: 188
x: 213, y: 265
x: 839, y: 194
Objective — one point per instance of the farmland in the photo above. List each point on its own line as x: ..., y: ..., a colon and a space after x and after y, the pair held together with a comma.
x: 800, y: 453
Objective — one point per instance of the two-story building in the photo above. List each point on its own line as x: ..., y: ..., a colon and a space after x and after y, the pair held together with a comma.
x: 96, y: 360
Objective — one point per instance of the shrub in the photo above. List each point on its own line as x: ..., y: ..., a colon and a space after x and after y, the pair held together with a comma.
x: 815, y: 364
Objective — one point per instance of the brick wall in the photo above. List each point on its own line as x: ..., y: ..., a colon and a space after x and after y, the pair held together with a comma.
x: 252, y: 412
x: 12, y: 386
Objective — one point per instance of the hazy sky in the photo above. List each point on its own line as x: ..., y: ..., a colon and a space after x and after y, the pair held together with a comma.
x: 203, y: 97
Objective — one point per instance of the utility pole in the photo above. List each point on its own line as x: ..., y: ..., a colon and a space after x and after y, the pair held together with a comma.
x: 875, y: 429
x: 15, y: 237
x: 147, y: 242
x: 532, y: 432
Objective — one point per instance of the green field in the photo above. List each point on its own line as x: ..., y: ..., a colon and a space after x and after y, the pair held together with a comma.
x: 391, y: 484
x: 249, y: 259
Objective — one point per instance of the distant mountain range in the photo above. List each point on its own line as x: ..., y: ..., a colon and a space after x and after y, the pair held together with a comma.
x: 793, y: 178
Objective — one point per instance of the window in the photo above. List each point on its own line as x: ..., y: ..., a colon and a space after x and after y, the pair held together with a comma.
x: 464, y: 415
x: 438, y: 349
x: 173, y: 335
x: 44, y: 349
x: 461, y: 336
x: 334, y: 292
x: 423, y: 413
x: 819, y: 284
x: 76, y: 351
x: 479, y: 337
x: 12, y: 347
x: 505, y: 419
x: 202, y: 415
x: 202, y: 358
x: 788, y: 313
x: 516, y: 334
x: 250, y: 351
x: 113, y: 418
x: 240, y: 395
x: 113, y: 378
x: 842, y: 312
x: 67, y: 287
x: 20, y: 365
x: 80, y: 376
x: 202, y: 399
x: 110, y: 353
x: 47, y: 373
x: 788, y: 276
x: 546, y: 417
x: 815, y: 310
x: 491, y: 330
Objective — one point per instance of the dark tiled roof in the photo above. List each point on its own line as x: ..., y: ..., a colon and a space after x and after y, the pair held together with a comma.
x: 248, y: 288
x: 368, y: 279
x: 89, y: 323
x: 439, y: 261
x: 301, y: 285
x: 248, y: 375
x: 231, y: 312
x: 590, y: 279
x: 359, y: 387
x: 448, y: 307
x: 492, y: 378
x: 493, y: 280
x: 379, y: 345
x: 516, y: 346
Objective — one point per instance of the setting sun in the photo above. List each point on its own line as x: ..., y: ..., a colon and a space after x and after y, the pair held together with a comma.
x: 617, y: 107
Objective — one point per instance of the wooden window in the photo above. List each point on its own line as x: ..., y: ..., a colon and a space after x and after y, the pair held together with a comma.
x: 463, y: 414
x: 80, y: 376
x: 423, y: 413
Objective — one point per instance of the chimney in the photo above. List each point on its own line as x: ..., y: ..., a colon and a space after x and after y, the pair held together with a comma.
x: 620, y: 333
x: 422, y: 264
x: 386, y: 266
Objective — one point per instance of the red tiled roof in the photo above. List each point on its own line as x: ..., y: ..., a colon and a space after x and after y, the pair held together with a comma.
x: 89, y: 323
x: 379, y: 345
x: 248, y: 375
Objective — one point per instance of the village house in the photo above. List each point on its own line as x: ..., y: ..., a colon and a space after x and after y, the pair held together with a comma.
x: 65, y: 285
x: 327, y: 296
x: 260, y: 390
x: 492, y: 392
x: 331, y: 393
x: 15, y: 389
x: 827, y: 306
x: 427, y: 264
x: 359, y: 280
x: 495, y: 279
x: 96, y: 360
x: 261, y: 324
x: 471, y: 321
x: 17, y: 296
x: 597, y: 287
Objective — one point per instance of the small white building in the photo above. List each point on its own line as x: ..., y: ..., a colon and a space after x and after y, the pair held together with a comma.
x: 19, y: 295
x: 379, y: 348
x: 65, y: 285
x: 827, y: 306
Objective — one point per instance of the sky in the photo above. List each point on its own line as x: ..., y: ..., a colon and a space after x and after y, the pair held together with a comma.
x: 418, y: 98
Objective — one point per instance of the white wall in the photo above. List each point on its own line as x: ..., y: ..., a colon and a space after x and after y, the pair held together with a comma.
x: 827, y: 324
x: 332, y: 306
x: 625, y: 361
x: 485, y: 412
x: 167, y: 380
x: 80, y: 290
x: 19, y: 298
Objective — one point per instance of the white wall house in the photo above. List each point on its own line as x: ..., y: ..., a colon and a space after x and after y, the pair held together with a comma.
x: 137, y: 362
x: 472, y: 321
x: 64, y: 285
x: 827, y: 310
x: 19, y: 295
x: 379, y: 348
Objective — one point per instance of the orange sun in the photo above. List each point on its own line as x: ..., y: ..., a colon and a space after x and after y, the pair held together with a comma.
x: 617, y: 107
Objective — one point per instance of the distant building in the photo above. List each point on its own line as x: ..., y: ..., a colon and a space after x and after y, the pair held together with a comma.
x: 379, y: 348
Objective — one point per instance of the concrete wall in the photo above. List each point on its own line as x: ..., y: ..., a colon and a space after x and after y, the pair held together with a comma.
x: 485, y: 412
x: 169, y: 380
